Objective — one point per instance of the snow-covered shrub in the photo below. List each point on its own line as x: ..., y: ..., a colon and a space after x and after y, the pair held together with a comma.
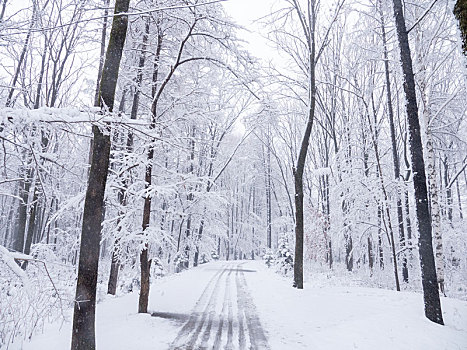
x: 284, y: 256
x: 203, y: 259
x: 268, y: 257
x: 158, y: 269
x: 214, y: 255
x: 180, y: 262
x: 32, y: 297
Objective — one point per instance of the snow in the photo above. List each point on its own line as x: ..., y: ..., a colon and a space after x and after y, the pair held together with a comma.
x: 9, y: 259
x: 318, y: 317
x: 329, y: 317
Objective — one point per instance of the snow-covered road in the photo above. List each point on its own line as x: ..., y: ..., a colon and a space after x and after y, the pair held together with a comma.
x: 224, y: 316
x: 245, y: 305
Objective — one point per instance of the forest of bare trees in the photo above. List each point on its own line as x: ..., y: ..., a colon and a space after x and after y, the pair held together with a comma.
x: 141, y: 138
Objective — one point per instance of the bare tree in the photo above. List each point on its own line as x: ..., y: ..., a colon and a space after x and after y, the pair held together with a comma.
x: 83, y: 334
x: 427, y: 261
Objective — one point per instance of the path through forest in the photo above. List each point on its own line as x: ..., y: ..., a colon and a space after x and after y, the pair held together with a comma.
x: 224, y: 316
x: 245, y: 305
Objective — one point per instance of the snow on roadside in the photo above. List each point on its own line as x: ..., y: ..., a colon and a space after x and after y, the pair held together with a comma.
x: 350, y: 317
x: 324, y: 317
x: 120, y: 327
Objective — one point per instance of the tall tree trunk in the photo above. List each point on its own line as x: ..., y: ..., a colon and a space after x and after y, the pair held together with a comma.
x: 460, y: 10
x: 427, y: 261
x: 448, y: 191
x: 10, y: 222
x: 267, y: 162
x: 300, y: 165
x: 145, y: 263
x: 380, y: 239
x: 83, y: 333
x: 190, y: 197
x: 25, y: 186
x: 102, y: 53
x: 459, y: 202
x: 30, y: 231
x: 2, y: 11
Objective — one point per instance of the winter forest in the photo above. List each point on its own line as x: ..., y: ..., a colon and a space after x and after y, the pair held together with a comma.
x: 233, y: 174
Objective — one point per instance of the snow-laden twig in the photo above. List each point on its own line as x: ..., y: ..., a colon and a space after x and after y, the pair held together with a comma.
x: 9, y: 259
x: 422, y: 16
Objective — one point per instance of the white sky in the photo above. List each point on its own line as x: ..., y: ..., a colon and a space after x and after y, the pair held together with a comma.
x: 245, y: 13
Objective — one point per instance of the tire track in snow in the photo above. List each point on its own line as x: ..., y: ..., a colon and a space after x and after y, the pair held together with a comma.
x: 256, y: 334
x: 243, y: 321
x: 207, y: 332
x: 183, y: 339
x: 220, y: 325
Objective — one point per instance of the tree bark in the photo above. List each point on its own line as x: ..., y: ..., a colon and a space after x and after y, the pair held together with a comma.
x: 460, y: 10
x: 380, y: 239
x: 102, y: 53
x: 145, y: 263
x: 30, y: 231
x: 448, y: 192
x: 2, y: 12
x: 25, y: 186
x: 300, y: 165
x: 83, y: 334
x: 267, y: 161
x: 427, y: 261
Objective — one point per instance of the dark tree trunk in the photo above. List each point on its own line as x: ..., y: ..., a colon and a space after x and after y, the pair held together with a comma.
x: 448, y: 189
x: 459, y: 202
x: 460, y: 10
x: 427, y: 261
x: 408, y: 223
x: 113, y: 277
x: 190, y: 197
x: 83, y: 334
x: 2, y: 12
x: 145, y: 280
x: 380, y: 239
x: 145, y: 263
x: 30, y: 231
x: 10, y: 223
x: 267, y: 161
x: 348, y: 253
x: 300, y: 166
x: 20, y: 233
x: 102, y: 54
x: 370, y: 254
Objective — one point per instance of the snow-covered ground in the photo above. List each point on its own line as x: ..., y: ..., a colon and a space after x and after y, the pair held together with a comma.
x: 351, y: 318
x: 324, y: 317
